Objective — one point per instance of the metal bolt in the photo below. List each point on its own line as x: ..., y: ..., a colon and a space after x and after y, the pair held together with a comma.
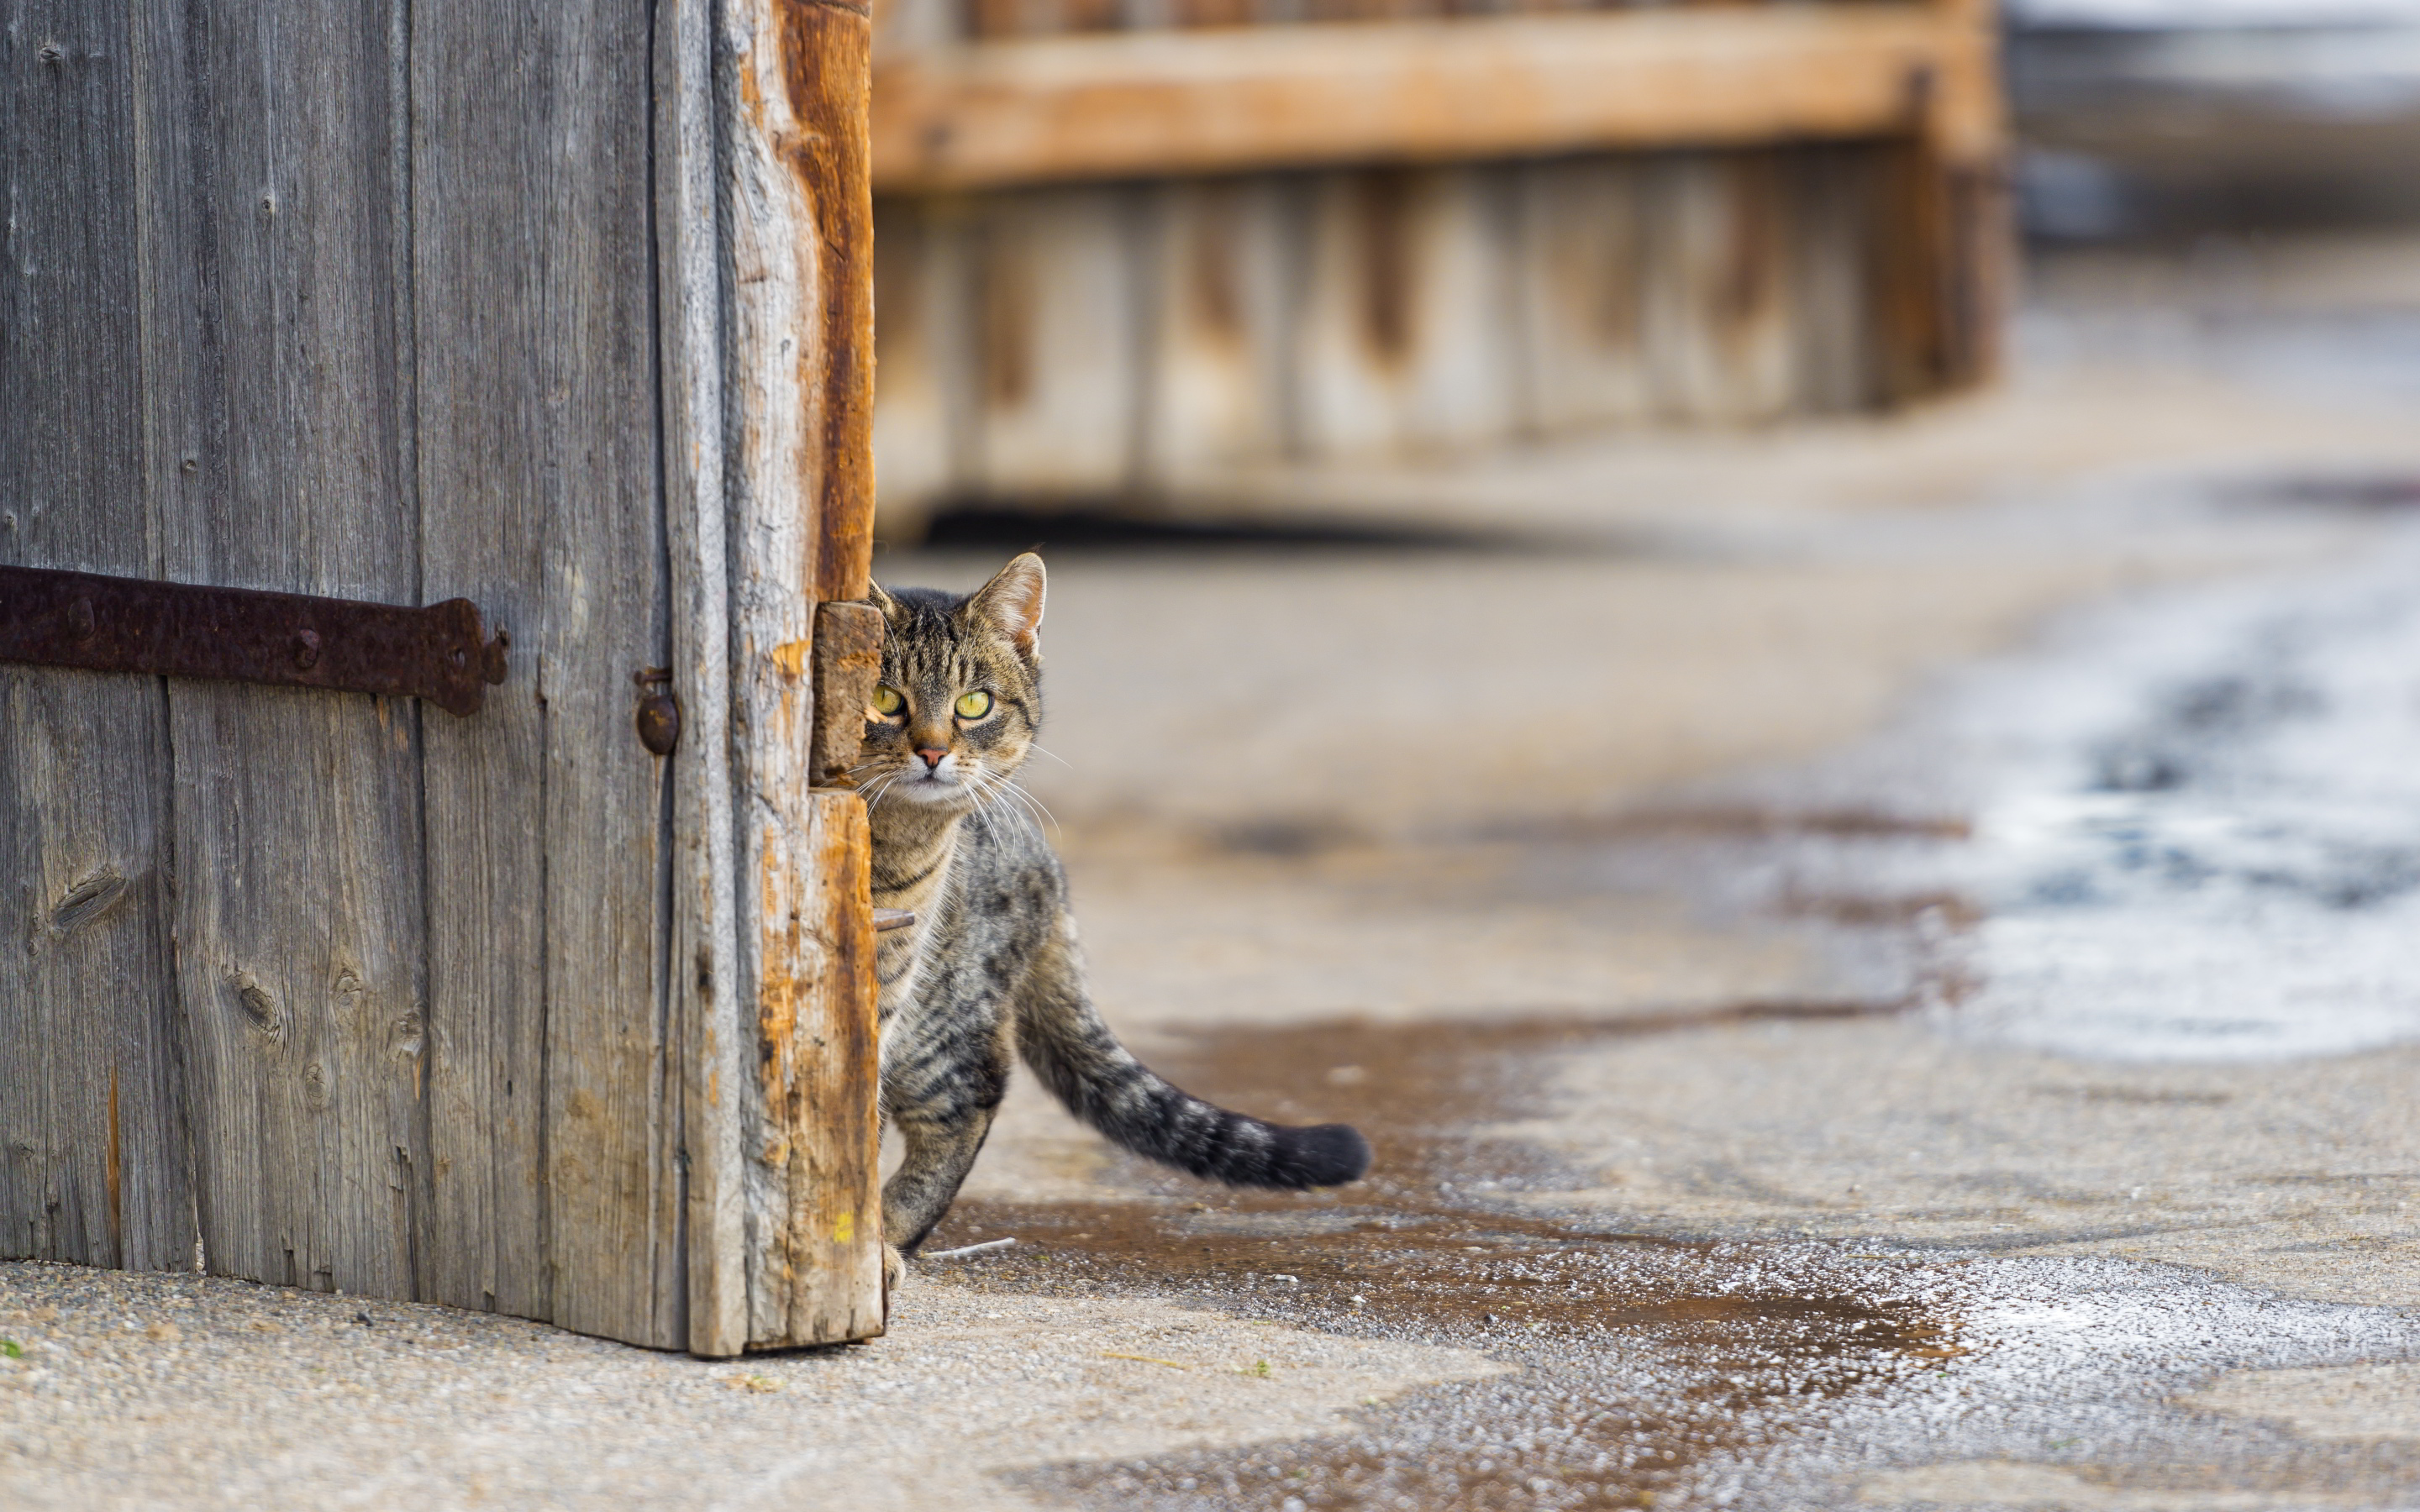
x: 81, y: 626
x: 307, y: 648
x: 660, y: 718
x: 660, y: 724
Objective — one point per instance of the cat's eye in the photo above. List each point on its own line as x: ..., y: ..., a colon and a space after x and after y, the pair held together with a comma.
x: 886, y: 702
x: 973, y: 705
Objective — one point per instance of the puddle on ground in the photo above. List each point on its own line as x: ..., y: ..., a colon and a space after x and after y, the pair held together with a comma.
x: 1641, y: 1354
x: 1652, y: 1371
x: 2197, y: 825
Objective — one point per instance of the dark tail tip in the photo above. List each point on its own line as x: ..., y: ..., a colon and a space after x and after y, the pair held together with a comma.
x: 1330, y: 1155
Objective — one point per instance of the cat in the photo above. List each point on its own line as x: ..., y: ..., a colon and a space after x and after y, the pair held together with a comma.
x: 991, y: 967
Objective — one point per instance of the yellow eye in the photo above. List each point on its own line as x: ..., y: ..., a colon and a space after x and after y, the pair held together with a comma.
x: 886, y: 702
x: 973, y: 705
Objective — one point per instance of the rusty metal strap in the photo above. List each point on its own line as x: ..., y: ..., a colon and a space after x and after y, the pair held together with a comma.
x: 130, y: 624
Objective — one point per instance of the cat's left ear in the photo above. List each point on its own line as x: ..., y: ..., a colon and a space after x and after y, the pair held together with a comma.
x: 1012, y: 602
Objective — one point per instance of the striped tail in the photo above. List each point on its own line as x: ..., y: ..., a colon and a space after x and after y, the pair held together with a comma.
x: 1064, y: 1039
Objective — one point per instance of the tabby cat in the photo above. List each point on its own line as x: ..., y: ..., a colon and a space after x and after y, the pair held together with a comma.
x: 991, y: 967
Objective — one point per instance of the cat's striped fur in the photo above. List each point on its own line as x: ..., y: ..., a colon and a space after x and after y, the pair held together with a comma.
x: 991, y: 968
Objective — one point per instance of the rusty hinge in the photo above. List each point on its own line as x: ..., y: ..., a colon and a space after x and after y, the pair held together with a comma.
x: 133, y: 624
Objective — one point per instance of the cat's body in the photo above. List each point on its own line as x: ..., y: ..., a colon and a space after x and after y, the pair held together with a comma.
x: 990, y: 969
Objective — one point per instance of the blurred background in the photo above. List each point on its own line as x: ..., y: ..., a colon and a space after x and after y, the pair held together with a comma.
x: 1374, y: 361
x: 1499, y: 471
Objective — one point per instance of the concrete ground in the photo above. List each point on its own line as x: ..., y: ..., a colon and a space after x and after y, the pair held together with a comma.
x: 1529, y: 848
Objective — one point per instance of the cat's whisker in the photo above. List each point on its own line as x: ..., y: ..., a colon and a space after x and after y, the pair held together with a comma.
x: 1024, y: 799
x: 881, y: 790
x: 1035, y: 805
x: 1015, y: 802
x: 1045, y: 751
x: 983, y: 802
x: 1000, y: 787
x: 996, y: 786
x: 978, y: 785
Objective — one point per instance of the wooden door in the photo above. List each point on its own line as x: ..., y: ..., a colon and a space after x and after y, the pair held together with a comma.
x: 401, y: 303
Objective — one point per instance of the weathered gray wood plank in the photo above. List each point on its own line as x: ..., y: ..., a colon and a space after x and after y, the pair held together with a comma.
x: 487, y: 479
x: 271, y: 371
x: 93, y: 1164
x: 535, y: 292
x: 709, y: 1026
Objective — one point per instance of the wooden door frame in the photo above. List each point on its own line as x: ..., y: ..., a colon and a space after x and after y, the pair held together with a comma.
x: 659, y: 1124
x: 764, y: 228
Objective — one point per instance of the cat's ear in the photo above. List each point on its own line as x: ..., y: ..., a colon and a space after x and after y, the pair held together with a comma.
x: 881, y: 601
x: 1012, y: 602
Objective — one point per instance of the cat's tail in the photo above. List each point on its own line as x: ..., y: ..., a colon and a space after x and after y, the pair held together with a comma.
x: 1063, y: 1038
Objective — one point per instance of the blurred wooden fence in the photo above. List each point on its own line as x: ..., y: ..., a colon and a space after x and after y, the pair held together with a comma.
x: 1138, y: 249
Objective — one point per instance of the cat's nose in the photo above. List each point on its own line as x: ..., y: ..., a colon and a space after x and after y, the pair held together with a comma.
x: 931, y: 755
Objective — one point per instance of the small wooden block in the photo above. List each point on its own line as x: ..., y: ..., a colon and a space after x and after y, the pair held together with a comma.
x: 847, y: 663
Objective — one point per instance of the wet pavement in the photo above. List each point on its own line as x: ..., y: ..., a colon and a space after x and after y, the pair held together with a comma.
x: 1657, y: 1369
x: 2206, y: 845
x: 2051, y: 1185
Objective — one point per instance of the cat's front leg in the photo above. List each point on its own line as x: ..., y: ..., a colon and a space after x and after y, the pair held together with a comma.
x: 940, y: 1151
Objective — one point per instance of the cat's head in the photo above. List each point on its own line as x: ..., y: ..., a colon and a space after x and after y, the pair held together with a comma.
x: 961, y: 691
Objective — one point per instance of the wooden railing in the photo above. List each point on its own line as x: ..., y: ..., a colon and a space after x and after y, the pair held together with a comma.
x: 1124, y: 255
x: 1166, y: 102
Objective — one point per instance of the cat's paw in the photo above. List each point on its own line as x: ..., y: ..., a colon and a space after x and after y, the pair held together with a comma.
x: 895, y: 1270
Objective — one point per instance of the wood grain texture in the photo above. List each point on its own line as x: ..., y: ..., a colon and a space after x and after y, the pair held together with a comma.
x: 1836, y: 225
x: 818, y: 1270
x: 535, y: 295
x: 826, y: 60
x: 797, y: 223
x: 848, y: 661
x: 1829, y: 236
x: 274, y: 238
x: 1917, y: 292
x: 94, y: 1165
x: 1160, y: 101
x: 712, y: 1041
x: 395, y: 302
